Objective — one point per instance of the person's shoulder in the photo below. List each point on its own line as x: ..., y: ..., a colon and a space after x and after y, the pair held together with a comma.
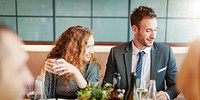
x: 93, y: 67
x: 94, y: 64
x: 122, y: 46
x: 161, y: 46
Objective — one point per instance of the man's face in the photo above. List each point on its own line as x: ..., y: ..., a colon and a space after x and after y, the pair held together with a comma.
x: 146, y: 33
x: 14, y: 73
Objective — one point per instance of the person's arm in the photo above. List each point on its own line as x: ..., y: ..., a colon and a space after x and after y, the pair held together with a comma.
x: 161, y: 95
x: 110, y: 68
x: 79, y: 78
x: 170, y: 76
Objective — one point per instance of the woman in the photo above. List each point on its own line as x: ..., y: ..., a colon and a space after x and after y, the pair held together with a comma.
x: 70, y: 65
x: 188, y: 81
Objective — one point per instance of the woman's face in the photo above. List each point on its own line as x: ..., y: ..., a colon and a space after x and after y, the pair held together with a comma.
x: 89, y: 48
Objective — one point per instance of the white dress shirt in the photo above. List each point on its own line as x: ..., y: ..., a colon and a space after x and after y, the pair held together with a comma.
x: 146, y: 64
x: 145, y: 74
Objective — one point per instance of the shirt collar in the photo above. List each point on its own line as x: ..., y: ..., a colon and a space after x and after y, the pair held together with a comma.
x: 147, y: 50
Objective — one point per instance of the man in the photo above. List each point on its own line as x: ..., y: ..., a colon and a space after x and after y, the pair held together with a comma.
x: 156, y: 60
x: 14, y: 73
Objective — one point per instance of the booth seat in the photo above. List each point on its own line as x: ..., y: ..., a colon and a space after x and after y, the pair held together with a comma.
x: 38, y: 55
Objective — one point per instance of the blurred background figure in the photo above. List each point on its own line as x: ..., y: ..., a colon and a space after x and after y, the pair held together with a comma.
x: 188, y: 81
x: 14, y: 73
x: 70, y: 65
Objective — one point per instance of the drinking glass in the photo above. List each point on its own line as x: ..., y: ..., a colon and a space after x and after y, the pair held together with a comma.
x: 31, y: 91
x: 35, y: 91
x: 152, y: 90
x: 39, y: 89
x: 142, y: 89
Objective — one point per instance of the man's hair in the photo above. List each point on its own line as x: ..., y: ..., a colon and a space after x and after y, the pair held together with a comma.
x: 141, y: 12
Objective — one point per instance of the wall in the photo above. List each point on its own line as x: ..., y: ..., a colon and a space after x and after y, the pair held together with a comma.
x: 45, y: 20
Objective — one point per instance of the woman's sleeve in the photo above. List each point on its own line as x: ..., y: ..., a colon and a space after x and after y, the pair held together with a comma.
x: 92, y: 73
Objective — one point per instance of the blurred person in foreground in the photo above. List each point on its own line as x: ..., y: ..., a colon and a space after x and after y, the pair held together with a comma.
x: 150, y: 60
x: 14, y: 73
x: 188, y: 78
x: 70, y: 65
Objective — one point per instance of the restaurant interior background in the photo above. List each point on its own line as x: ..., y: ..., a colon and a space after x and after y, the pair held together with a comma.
x: 40, y: 21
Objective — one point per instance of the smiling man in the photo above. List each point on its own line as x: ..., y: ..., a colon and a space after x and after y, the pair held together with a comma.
x: 148, y: 59
x: 14, y: 73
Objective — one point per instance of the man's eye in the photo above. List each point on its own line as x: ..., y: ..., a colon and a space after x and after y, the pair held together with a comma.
x: 148, y: 30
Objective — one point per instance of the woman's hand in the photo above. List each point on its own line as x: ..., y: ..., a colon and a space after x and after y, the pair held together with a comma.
x: 49, y: 63
x: 64, y: 67
x: 61, y: 67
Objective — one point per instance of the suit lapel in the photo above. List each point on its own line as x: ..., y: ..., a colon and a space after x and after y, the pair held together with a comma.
x: 154, y: 61
x: 128, y: 61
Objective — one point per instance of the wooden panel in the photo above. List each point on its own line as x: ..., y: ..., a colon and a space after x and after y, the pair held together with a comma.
x: 102, y: 57
x: 36, y: 60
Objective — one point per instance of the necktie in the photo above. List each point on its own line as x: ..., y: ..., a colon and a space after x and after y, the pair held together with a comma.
x: 139, y: 64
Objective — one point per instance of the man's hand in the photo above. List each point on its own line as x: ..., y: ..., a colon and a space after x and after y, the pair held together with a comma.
x: 161, y: 95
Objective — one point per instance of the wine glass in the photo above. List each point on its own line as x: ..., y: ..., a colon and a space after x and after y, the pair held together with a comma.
x: 35, y: 91
x: 152, y: 90
x: 142, y: 90
x: 39, y: 89
x: 31, y: 91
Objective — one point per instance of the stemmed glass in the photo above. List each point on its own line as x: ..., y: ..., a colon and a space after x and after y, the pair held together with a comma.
x: 31, y: 91
x: 152, y: 90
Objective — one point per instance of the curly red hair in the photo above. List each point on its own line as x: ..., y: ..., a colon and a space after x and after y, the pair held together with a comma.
x: 71, y: 46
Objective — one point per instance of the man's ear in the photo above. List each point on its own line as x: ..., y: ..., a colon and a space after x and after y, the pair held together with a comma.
x: 135, y: 29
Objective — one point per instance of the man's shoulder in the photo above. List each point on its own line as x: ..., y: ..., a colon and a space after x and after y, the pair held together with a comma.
x: 161, y: 46
x: 122, y: 46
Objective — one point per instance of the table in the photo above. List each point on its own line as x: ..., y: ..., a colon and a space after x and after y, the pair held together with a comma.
x: 52, y: 99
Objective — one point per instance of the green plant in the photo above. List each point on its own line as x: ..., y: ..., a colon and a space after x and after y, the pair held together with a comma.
x: 94, y: 92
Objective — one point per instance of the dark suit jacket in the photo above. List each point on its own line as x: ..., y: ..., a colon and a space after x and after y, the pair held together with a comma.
x: 163, y: 66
